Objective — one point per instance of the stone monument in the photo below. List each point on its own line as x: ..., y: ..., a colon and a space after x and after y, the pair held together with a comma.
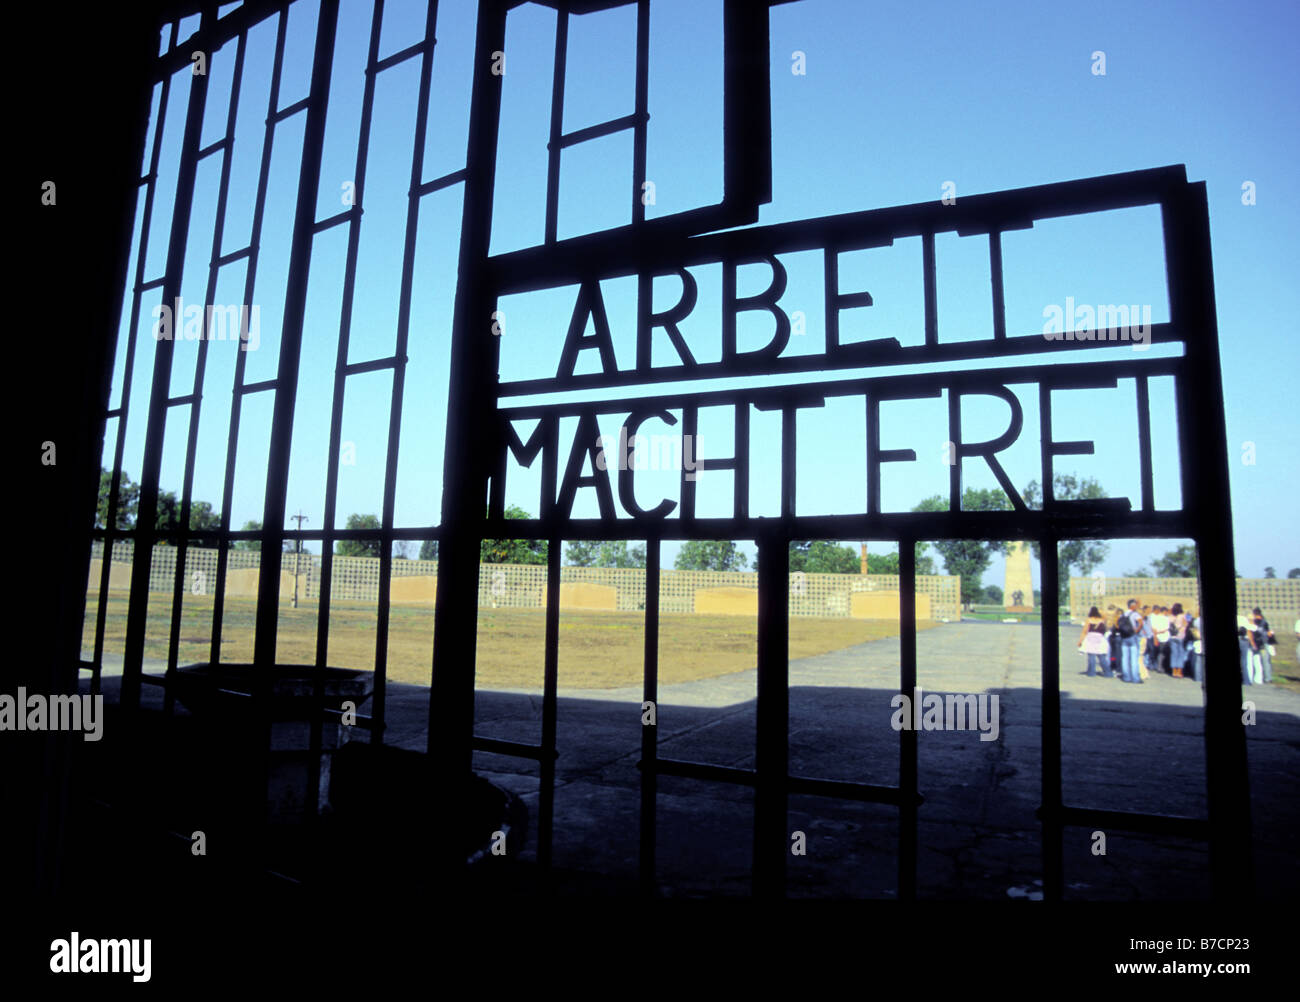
x: 1018, y: 588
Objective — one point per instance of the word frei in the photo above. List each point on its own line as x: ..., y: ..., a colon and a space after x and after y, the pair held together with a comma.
x: 102, y: 956
x: 953, y: 712
x: 1103, y: 323
x: 651, y: 452
x: 234, y: 322
x: 39, y: 712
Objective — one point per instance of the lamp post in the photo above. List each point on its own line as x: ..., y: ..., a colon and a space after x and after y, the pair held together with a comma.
x: 297, y: 552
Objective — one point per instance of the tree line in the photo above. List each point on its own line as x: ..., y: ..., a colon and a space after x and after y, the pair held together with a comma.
x: 969, y: 558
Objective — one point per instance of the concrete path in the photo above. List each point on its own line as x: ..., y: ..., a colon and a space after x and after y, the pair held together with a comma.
x: 1124, y: 747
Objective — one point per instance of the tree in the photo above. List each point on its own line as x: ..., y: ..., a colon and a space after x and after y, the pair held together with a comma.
x: 513, y: 551
x: 994, y: 594
x: 255, y: 545
x: 359, y: 547
x: 1269, y: 572
x: 969, y: 557
x: 710, y: 555
x: 1177, y: 563
x: 593, y: 553
x: 128, y: 497
x: 1085, y: 554
x: 1139, y: 573
x: 168, y: 517
x: 429, y: 549
x: 821, y: 556
x: 887, y: 563
x: 1293, y: 573
x: 402, y: 549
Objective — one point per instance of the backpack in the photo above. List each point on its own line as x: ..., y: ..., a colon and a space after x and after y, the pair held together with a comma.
x: 1125, y: 626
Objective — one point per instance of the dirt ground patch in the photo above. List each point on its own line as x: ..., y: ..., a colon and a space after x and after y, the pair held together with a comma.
x: 598, y: 650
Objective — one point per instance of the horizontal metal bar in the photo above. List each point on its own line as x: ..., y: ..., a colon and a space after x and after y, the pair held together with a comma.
x: 397, y: 57
x: 187, y: 398
x: 1132, y: 821
x: 699, y: 770
x: 865, y: 793
x: 597, y: 131
x: 220, y: 144
x: 837, y: 789
x: 289, y: 112
x: 1057, y: 375
x: 374, y: 365
x: 515, y: 749
x: 234, y: 256
x: 438, y: 183
x: 845, y: 356
x: 990, y: 525
x: 610, y: 254
x: 343, y: 217
x: 265, y: 384
x: 153, y: 283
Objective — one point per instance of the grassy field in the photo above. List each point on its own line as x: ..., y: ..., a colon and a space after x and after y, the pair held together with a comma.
x: 598, y: 650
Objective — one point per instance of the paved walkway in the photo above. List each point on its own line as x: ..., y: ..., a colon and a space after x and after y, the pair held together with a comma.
x: 1124, y: 747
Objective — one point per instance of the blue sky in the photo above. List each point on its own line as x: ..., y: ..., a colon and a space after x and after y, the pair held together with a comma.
x: 896, y: 99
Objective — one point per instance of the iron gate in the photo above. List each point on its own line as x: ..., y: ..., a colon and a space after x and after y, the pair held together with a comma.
x: 480, y: 433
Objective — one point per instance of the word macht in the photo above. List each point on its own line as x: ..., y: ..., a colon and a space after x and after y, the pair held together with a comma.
x: 953, y: 712
x: 102, y: 956
x: 39, y: 712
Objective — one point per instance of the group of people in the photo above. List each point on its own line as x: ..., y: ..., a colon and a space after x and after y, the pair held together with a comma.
x: 1131, y: 643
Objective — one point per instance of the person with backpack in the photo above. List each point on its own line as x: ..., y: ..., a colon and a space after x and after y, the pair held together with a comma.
x: 1129, y: 626
x: 1264, y: 639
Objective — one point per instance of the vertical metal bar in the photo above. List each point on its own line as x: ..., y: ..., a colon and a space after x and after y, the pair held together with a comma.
x: 740, y: 464
x: 929, y: 277
x: 466, y: 466
x: 995, y: 271
x: 747, y: 104
x: 907, y: 736
x: 546, y: 792
x: 650, y: 732
x: 399, y: 377
x: 788, y: 460
x: 286, y: 390
x: 326, y: 591
x: 954, y: 467
x: 1053, y: 830
x: 640, y: 129
x: 147, y: 511
x: 241, y: 355
x: 1192, y: 304
x: 771, y: 759
x: 200, y: 367
x: 1144, y: 446
x: 124, y: 410
x: 557, y: 126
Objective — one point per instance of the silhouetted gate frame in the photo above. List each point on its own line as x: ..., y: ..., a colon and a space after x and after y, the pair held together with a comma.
x: 477, y: 439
